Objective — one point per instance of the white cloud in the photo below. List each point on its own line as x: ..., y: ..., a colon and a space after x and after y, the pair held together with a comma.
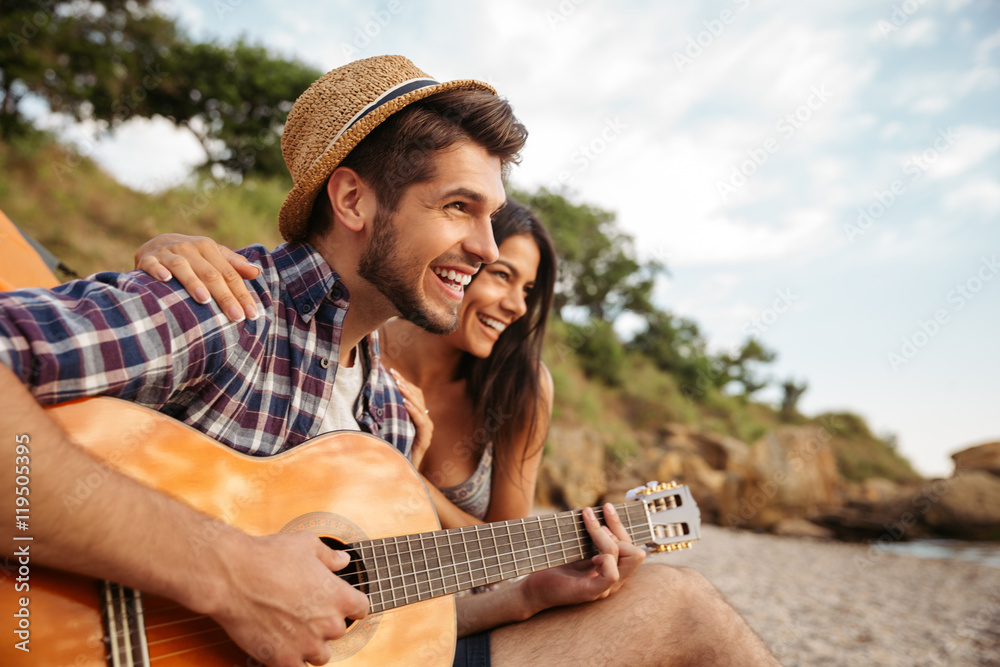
x: 148, y: 154
x: 931, y: 104
x: 973, y: 145
x: 917, y: 32
x: 981, y: 194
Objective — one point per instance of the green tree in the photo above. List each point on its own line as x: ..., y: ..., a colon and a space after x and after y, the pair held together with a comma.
x: 113, y: 60
x: 598, y: 270
x: 600, y: 353
x: 791, y: 393
x: 235, y: 100
x: 92, y: 60
x: 676, y: 345
x: 741, y: 367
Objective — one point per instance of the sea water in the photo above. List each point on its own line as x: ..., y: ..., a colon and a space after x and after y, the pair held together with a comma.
x: 984, y: 553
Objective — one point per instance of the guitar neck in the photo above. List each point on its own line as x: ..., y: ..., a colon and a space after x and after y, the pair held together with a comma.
x: 410, y: 568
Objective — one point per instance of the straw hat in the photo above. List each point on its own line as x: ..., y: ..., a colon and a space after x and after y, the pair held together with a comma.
x: 335, y: 113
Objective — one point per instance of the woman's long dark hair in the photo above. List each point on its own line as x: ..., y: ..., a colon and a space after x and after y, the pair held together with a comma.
x: 504, y: 387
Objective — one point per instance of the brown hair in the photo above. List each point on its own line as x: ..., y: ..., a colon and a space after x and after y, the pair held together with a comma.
x: 507, y: 381
x: 401, y: 150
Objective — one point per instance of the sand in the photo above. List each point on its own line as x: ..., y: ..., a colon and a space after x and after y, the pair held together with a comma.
x: 830, y: 603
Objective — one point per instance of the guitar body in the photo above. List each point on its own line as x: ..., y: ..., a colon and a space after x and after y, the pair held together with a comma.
x: 345, y: 486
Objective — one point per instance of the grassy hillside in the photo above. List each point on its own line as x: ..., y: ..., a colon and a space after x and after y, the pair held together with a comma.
x: 92, y: 223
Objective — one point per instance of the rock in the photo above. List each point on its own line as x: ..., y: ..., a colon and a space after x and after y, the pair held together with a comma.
x: 983, y: 457
x: 801, y: 528
x: 795, y: 473
x: 706, y: 483
x: 966, y: 506
x: 721, y: 452
x: 873, y: 490
x: 573, y: 473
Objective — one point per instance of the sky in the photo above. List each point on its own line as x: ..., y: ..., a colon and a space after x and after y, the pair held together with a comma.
x: 823, y: 176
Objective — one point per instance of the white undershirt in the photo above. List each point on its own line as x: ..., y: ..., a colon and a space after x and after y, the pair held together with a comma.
x: 346, y: 389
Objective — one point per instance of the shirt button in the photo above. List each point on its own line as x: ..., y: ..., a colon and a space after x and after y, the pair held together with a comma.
x: 307, y: 307
x: 379, y: 412
x: 324, y: 362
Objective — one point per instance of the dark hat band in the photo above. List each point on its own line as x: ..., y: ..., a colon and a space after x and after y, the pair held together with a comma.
x: 384, y: 98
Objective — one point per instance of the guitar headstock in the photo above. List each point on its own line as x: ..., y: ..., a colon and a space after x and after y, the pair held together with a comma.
x: 673, y: 516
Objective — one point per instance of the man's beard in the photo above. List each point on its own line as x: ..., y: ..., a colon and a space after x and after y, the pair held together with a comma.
x: 387, y: 267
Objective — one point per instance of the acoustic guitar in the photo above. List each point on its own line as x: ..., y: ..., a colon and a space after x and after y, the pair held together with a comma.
x: 353, y: 490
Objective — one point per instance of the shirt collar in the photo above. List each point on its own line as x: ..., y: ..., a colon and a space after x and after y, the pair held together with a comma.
x: 308, y: 279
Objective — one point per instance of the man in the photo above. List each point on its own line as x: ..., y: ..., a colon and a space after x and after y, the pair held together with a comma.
x: 395, y: 179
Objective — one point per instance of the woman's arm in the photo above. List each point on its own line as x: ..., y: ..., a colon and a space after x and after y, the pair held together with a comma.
x: 205, y: 268
x: 513, y: 494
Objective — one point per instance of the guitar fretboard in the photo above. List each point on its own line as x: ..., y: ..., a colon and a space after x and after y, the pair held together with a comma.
x: 410, y: 568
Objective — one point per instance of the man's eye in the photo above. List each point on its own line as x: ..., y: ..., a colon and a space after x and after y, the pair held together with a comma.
x: 457, y: 205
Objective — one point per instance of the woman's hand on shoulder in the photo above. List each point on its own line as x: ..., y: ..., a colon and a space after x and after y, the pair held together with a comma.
x: 416, y: 406
x: 206, y: 269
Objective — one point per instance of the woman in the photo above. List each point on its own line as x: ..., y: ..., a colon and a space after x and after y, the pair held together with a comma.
x: 479, y: 397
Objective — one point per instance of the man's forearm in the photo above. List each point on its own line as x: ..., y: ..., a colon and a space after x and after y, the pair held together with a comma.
x: 111, y: 533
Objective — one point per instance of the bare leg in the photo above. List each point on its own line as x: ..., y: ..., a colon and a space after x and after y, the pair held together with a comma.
x: 663, y: 616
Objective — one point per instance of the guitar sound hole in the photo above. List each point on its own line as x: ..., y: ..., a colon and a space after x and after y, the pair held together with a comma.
x: 354, y: 573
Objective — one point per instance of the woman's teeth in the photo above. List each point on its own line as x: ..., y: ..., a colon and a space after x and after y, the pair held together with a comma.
x: 490, y: 322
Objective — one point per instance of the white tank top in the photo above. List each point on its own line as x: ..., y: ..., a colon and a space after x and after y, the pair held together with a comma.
x: 346, y: 389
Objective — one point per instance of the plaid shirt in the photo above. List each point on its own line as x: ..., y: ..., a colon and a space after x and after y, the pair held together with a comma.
x: 260, y: 386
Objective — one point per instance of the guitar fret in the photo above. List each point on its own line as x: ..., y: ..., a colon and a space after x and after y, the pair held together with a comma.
x: 124, y: 625
x: 422, y: 566
x: 370, y: 564
x: 494, y: 566
x: 434, y: 566
x: 422, y: 583
x: 513, y: 552
x: 111, y: 623
x: 406, y: 571
x: 559, y: 537
x: 395, y: 568
x: 455, y: 560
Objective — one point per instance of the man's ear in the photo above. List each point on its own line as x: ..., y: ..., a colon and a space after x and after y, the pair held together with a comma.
x: 351, y: 198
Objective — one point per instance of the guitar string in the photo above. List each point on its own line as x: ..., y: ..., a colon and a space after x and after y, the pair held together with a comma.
x: 573, y: 542
x: 544, y: 522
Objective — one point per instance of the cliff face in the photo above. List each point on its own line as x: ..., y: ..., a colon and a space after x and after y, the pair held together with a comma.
x: 790, y: 473
x: 788, y: 482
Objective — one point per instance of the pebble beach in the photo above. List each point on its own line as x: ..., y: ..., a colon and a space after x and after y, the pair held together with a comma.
x: 818, y: 602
